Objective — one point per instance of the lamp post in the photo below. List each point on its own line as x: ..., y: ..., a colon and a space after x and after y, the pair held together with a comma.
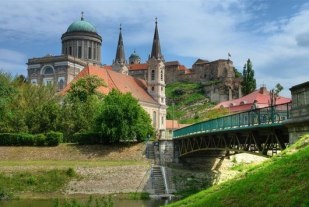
x: 173, y: 105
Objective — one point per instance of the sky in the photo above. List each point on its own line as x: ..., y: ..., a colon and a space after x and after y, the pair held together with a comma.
x: 274, y: 34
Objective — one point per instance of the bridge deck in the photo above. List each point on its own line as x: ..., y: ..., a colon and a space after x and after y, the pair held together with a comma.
x: 255, y: 131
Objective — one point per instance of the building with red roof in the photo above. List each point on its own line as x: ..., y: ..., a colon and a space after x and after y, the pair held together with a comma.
x: 262, y: 97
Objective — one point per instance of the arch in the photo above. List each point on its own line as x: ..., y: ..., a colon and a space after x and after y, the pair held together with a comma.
x: 47, y: 70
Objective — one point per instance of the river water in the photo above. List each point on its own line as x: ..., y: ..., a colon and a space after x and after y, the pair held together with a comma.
x: 49, y: 203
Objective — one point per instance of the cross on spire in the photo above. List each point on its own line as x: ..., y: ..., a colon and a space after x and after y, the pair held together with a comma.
x: 82, y: 17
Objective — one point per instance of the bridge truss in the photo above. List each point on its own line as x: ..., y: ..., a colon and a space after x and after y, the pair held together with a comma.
x: 259, y: 131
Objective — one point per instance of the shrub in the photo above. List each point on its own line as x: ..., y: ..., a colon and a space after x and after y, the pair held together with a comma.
x: 71, y: 172
x: 39, y: 139
x: 16, y: 139
x: 90, y: 138
x: 54, y: 138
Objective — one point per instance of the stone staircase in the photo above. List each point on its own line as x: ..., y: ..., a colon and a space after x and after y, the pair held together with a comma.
x: 157, y: 180
x: 150, y: 154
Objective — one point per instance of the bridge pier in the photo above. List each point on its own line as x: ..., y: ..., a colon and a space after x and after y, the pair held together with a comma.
x: 298, y: 124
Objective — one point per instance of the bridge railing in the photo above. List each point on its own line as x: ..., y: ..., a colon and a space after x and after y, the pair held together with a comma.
x: 253, y: 118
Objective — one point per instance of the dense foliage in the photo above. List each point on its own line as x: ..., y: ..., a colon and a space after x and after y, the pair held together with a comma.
x: 249, y: 82
x: 188, y: 104
x: 37, y: 109
x: 24, y: 139
x: 122, y: 118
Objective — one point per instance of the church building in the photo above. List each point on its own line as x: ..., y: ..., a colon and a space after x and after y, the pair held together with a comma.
x: 81, y: 56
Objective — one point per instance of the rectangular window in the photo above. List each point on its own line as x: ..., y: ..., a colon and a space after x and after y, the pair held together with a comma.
x: 79, y: 51
x: 152, y: 75
x: 94, y: 54
x: 70, y: 50
x: 89, y: 53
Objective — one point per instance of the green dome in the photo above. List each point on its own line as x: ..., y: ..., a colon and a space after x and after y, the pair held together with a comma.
x: 81, y: 26
x: 134, y: 55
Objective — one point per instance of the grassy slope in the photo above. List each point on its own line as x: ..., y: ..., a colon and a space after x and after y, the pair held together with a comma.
x: 281, y: 181
x: 191, y: 104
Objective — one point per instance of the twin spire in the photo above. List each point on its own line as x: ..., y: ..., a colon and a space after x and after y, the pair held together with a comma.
x: 120, y: 56
x: 155, y: 51
x: 156, y: 48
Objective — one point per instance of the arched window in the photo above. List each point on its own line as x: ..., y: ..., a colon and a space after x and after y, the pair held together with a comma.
x: 152, y: 75
x: 61, y: 84
x: 48, y: 70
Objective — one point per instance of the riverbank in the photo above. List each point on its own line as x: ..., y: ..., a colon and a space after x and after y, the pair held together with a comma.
x: 97, y: 170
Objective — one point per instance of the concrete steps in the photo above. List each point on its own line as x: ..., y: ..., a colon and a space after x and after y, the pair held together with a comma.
x: 157, y: 180
x: 150, y: 151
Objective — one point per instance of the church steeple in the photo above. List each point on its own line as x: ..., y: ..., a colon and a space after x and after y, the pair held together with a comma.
x: 156, y: 48
x: 120, y: 56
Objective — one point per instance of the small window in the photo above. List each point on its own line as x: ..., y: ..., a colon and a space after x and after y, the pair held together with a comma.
x: 79, y: 51
x: 152, y: 88
x: 161, y: 73
x: 162, y: 88
x: 70, y: 50
x: 61, y: 84
x: 89, y: 52
x: 152, y: 75
x: 94, y: 54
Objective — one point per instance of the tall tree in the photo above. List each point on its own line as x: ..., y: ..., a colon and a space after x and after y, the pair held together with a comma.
x: 122, y: 118
x: 249, y: 82
x: 85, y: 87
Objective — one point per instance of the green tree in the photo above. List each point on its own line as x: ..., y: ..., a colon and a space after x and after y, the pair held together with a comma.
x: 85, y: 87
x: 278, y: 89
x: 123, y: 119
x: 79, y: 116
x: 249, y: 82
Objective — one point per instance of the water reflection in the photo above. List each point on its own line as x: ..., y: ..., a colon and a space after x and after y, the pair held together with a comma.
x: 117, y: 203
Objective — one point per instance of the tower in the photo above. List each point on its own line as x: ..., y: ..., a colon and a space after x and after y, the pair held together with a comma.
x: 156, y: 81
x: 82, y: 41
x: 119, y: 64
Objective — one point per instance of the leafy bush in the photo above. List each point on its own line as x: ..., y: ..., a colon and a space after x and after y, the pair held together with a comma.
x: 90, y: 138
x: 16, y: 139
x: 54, y: 138
x: 39, y: 139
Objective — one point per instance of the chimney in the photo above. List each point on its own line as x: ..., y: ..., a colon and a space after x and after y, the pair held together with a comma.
x: 263, y: 89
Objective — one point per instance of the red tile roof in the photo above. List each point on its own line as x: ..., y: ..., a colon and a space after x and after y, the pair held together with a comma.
x: 244, y: 103
x: 143, y: 66
x: 115, y: 80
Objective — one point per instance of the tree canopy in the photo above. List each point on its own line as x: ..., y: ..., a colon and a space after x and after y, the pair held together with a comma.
x: 249, y: 82
x: 122, y: 118
x: 85, y: 87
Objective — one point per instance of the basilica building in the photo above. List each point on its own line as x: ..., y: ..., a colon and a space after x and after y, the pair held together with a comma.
x: 81, y: 56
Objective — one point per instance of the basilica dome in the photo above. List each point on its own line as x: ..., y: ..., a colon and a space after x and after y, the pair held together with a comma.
x: 81, y: 26
x: 134, y: 58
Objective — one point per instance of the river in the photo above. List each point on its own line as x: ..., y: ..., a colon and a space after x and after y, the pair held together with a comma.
x: 49, y: 203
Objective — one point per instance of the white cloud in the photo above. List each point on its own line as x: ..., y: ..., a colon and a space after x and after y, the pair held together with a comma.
x: 195, y: 29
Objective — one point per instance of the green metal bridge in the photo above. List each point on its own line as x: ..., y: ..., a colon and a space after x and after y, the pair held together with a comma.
x: 258, y: 131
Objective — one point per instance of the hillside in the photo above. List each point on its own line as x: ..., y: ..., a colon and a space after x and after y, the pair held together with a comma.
x: 190, y: 103
x: 280, y: 181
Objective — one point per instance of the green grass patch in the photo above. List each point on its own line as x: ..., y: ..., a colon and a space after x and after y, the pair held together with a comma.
x: 191, y: 104
x: 35, y: 182
x: 280, y: 181
x: 139, y: 196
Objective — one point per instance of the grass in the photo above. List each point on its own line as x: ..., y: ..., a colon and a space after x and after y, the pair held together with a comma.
x: 191, y: 104
x: 47, y: 181
x: 280, y: 181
